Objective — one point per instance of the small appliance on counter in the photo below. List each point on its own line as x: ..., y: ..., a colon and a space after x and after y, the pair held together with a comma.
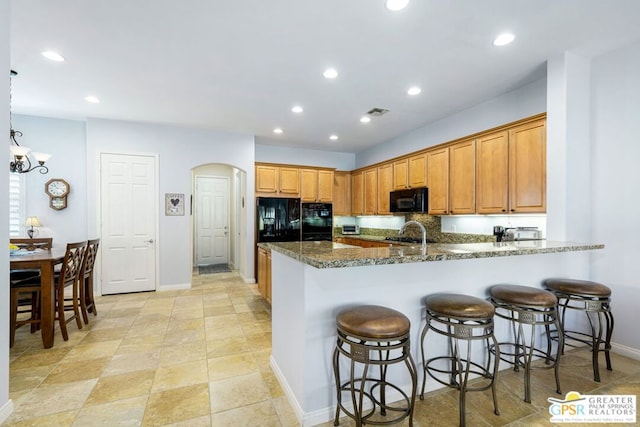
x: 350, y: 229
x: 513, y: 234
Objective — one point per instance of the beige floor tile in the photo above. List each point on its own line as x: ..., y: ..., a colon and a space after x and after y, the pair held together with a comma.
x: 180, y: 325
x: 129, y: 362
x: 178, y: 404
x: 233, y: 331
x: 193, y: 422
x: 239, y: 391
x: 226, y: 346
x: 92, y: 351
x: 100, y: 335
x: 285, y: 412
x: 127, y: 412
x: 60, y: 419
x: 261, y: 414
x: 171, y: 355
x: 28, y: 378
x: 35, y: 358
x: 117, y: 322
x: 122, y: 386
x: 180, y: 375
x: 221, y: 322
x: 52, y: 398
x: 184, y: 337
x: 77, y: 370
x: 231, y: 366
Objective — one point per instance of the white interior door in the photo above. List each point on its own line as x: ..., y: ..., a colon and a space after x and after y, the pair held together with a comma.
x: 128, y: 222
x: 212, y: 220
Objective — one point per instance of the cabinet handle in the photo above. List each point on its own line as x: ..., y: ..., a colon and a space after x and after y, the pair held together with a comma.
x: 504, y: 210
x: 513, y: 210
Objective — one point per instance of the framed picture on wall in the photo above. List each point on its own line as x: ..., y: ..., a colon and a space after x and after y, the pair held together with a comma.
x: 174, y: 204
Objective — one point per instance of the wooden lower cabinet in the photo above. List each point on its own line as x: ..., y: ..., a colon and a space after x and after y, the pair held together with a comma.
x: 264, y: 273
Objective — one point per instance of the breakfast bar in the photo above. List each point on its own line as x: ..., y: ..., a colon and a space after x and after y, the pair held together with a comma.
x: 313, y: 281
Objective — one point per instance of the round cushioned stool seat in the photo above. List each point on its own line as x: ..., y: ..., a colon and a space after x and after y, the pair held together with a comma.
x: 460, y: 306
x: 523, y: 295
x: 578, y: 287
x: 373, y: 321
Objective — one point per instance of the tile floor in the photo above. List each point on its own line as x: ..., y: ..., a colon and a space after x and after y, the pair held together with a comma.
x: 200, y: 357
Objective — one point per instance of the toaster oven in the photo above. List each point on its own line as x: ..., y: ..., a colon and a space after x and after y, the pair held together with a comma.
x: 351, y: 229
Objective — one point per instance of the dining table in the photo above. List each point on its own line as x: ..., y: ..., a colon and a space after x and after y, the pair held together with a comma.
x: 45, y: 261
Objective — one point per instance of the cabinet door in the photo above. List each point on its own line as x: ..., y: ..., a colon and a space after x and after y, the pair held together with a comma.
x: 492, y: 173
x: 385, y: 186
x: 438, y: 181
x: 309, y: 185
x: 325, y: 186
x: 342, y: 193
x: 290, y: 181
x: 262, y: 272
x: 371, y: 191
x: 462, y: 178
x: 527, y: 168
x: 357, y: 193
x: 268, y: 276
x: 266, y: 179
x: 418, y: 171
x: 400, y: 174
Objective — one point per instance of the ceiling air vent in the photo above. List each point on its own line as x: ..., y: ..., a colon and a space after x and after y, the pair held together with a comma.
x: 377, y: 112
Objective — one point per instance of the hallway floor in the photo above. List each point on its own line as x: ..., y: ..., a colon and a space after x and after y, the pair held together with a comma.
x: 200, y: 357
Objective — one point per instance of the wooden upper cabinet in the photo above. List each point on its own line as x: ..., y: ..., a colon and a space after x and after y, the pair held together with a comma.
x: 410, y: 172
x: 316, y: 185
x: 527, y: 168
x: 385, y: 186
x: 400, y: 174
x: 438, y: 181
x: 370, y: 191
x: 511, y: 170
x: 462, y: 178
x: 278, y: 180
x: 492, y: 163
x: 342, y: 193
x: 357, y: 193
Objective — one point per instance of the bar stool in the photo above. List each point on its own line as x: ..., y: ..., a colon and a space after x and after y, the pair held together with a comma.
x: 370, y: 336
x: 594, y: 300
x: 467, y: 319
x: 525, y: 305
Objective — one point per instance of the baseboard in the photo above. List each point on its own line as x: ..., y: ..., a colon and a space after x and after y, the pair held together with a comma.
x: 297, y: 409
x: 176, y: 287
x: 6, y: 410
x: 630, y: 352
x: 247, y: 280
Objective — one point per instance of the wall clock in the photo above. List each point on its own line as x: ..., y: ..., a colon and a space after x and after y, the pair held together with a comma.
x: 58, y: 190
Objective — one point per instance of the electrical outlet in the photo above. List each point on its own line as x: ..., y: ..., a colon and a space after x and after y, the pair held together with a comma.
x: 453, y: 228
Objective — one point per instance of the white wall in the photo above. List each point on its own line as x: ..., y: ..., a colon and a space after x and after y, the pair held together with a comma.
x: 6, y: 406
x: 615, y: 183
x: 65, y: 140
x: 305, y: 157
x: 515, y: 105
x: 179, y: 150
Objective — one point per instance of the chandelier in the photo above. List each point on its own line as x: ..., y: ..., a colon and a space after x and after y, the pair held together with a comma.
x: 21, y: 162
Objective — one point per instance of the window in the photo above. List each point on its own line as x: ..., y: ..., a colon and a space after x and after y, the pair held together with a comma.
x: 16, y: 204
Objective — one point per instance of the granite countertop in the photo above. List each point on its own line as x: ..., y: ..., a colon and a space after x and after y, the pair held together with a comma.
x: 339, y: 255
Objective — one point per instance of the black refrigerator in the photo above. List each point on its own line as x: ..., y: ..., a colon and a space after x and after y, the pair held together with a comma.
x: 278, y: 219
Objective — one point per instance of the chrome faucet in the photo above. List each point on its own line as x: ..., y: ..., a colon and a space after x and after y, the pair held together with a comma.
x: 423, y: 247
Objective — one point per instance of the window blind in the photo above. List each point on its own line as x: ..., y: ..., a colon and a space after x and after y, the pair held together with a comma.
x: 16, y: 204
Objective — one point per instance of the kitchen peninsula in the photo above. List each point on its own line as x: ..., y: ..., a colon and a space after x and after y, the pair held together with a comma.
x: 312, y: 281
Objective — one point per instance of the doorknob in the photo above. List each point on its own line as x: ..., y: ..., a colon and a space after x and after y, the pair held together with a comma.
x: 149, y: 241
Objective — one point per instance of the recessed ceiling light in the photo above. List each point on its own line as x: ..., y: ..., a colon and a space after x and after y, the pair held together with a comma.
x: 504, y: 39
x: 396, y: 5
x: 333, y: 137
x: 365, y: 119
x: 277, y: 130
x: 330, y: 73
x: 92, y: 99
x: 415, y: 90
x: 54, y: 56
x: 297, y: 109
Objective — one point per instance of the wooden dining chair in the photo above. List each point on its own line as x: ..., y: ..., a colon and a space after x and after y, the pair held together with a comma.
x: 87, y: 303
x: 69, y: 279
x: 25, y: 289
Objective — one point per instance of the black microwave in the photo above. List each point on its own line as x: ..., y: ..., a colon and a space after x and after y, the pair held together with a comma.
x: 410, y: 200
